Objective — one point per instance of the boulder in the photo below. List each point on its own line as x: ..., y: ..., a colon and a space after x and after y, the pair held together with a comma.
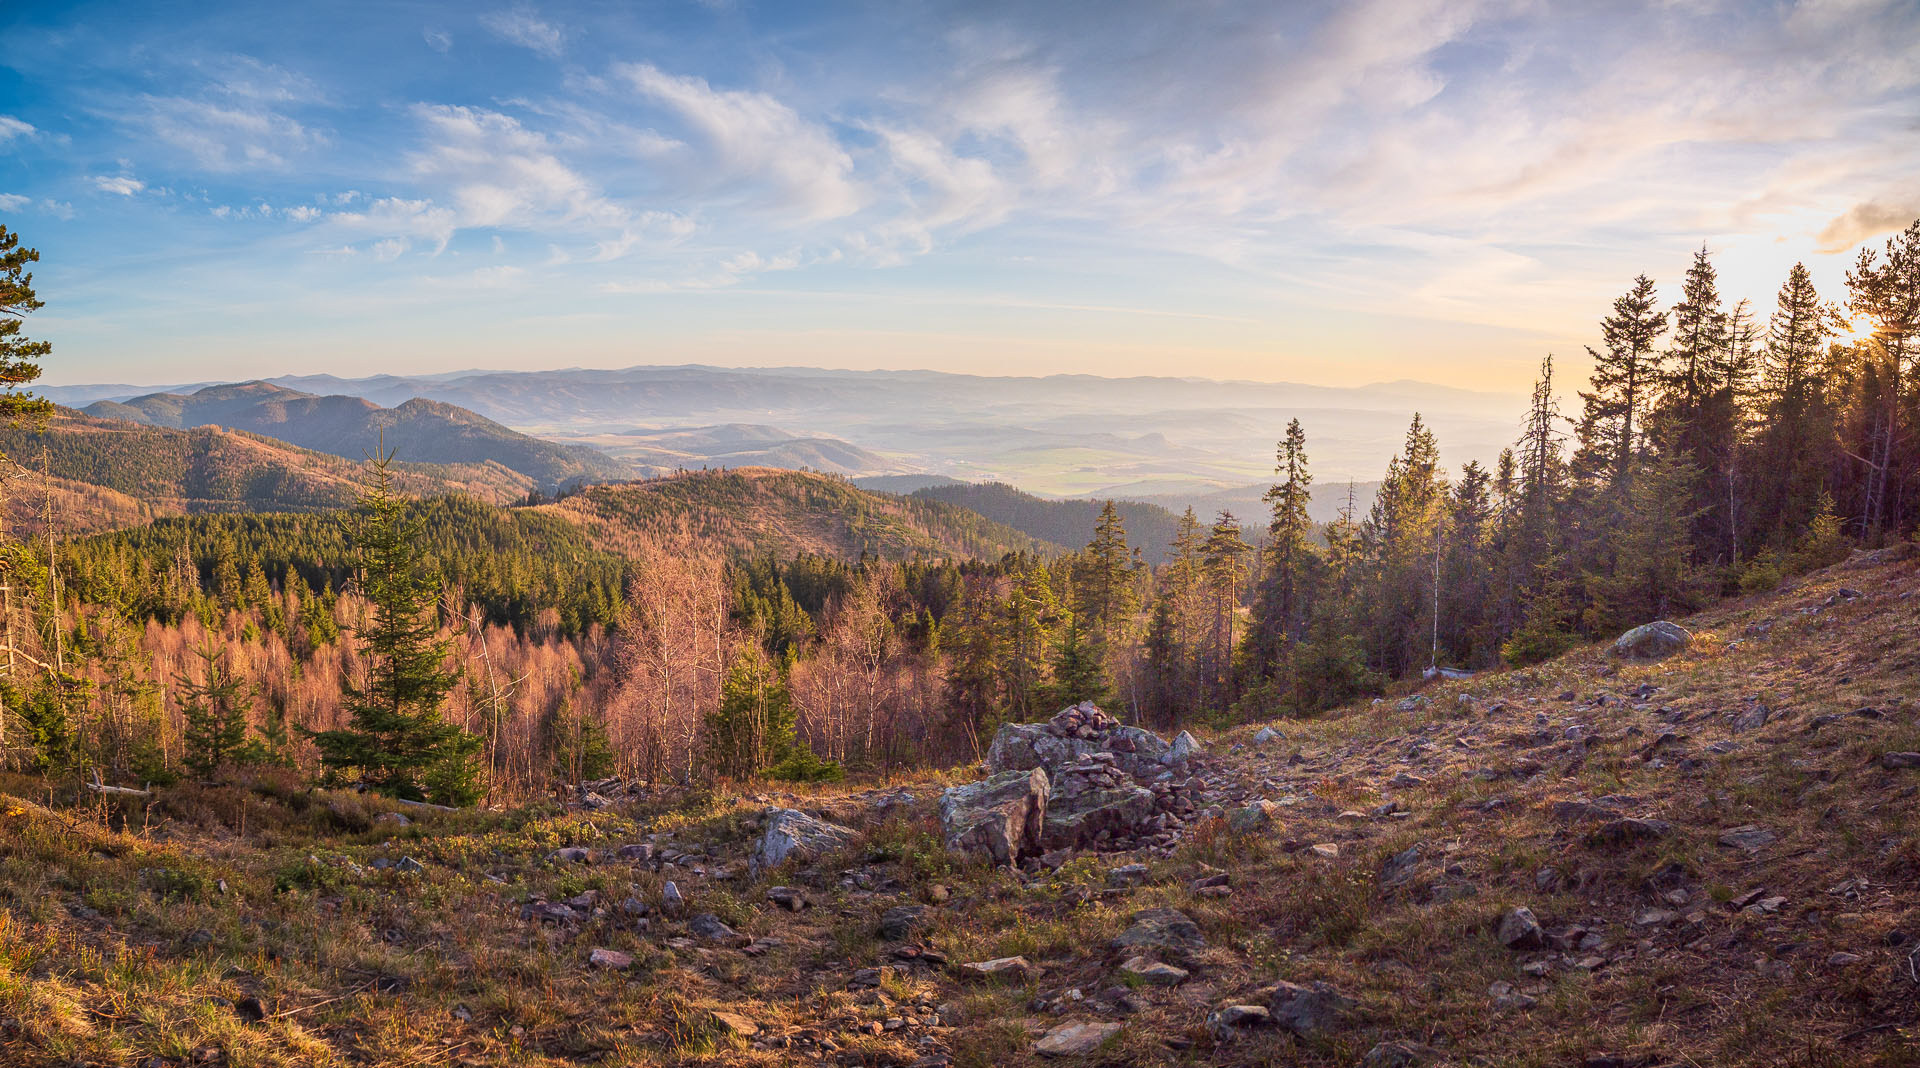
x: 791, y: 834
x: 1184, y: 746
x: 1076, y: 819
x: 1313, y: 1009
x: 1652, y: 641
x: 1002, y: 815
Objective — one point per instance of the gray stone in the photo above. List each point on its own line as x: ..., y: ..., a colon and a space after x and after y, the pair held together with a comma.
x: 791, y: 834
x: 1184, y: 747
x: 787, y: 898
x: 1896, y: 761
x: 899, y: 923
x: 1168, y: 931
x: 1313, y: 1009
x: 1075, y: 1039
x: 1749, y: 837
x: 708, y: 926
x: 1267, y: 734
x: 1629, y: 832
x: 1652, y: 641
x: 1127, y: 875
x: 1226, y: 1022
x: 1002, y: 815
x: 1076, y: 818
x: 571, y: 855
x: 1399, y: 1055
x: 1016, y: 968
x: 610, y: 959
x: 1252, y: 817
x: 671, y: 902
x: 1148, y: 970
x: 1520, y: 930
x: 409, y: 866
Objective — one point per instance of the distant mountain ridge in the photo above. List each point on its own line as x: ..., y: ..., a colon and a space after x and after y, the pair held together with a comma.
x: 1150, y: 528
x: 417, y: 430
x: 110, y: 473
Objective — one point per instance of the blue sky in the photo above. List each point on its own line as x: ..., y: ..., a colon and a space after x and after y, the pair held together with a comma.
x: 1334, y: 193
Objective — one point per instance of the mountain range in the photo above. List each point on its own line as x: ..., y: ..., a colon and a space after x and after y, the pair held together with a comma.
x: 1177, y: 442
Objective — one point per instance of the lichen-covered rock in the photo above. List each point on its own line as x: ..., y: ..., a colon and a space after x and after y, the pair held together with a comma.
x: 1652, y: 641
x: 1167, y: 932
x: 794, y: 834
x: 1076, y: 819
x: 1002, y: 815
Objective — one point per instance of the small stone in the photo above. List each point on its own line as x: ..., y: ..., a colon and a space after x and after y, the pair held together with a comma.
x: 1075, y: 1039
x: 1308, y: 1010
x: 670, y: 900
x: 1841, y: 960
x: 1017, y: 968
x: 736, y: 1024
x: 1234, y: 1018
x: 1655, y: 918
x: 1152, y: 971
x: 610, y: 959
x: 708, y: 926
x: 1399, y: 1055
x: 899, y: 923
x: 1326, y: 850
x: 1267, y: 734
x: 1749, y: 837
x: 787, y: 898
x: 1628, y: 832
x: 1127, y: 875
x: 1520, y: 930
x: 571, y: 855
x: 1894, y: 761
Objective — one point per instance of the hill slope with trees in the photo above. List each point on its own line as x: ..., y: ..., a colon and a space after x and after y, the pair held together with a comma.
x: 417, y: 430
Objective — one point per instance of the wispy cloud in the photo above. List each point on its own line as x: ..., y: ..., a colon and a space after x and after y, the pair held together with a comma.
x: 12, y: 128
x: 120, y: 186
x: 524, y: 27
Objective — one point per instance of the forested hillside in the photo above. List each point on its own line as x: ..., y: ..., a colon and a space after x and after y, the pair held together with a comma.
x: 761, y: 510
x: 421, y: 431
x: 1150, y: 528
x: 208, y: 469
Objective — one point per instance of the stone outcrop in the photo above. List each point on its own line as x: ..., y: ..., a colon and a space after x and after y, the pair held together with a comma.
x: 794, y: 834
x: 1002, y: 815
x: 1652, y: 641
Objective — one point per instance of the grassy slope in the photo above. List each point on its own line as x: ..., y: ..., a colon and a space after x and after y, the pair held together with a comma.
x: 758, y: 510
x: 116, y: 945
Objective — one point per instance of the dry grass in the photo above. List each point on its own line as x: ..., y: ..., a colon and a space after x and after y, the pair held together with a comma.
x: 133, y: 934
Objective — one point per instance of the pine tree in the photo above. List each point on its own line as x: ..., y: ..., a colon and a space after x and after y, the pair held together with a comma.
x: 1223, y: 570
x: 1279, y: 611
x: 1104, y: 598
x: 1796, y: 440
x: 1624, y: 376
x: 1031, y: 613
x: 752, y: 730
x: 396, y: 742
x: 19, y: 356
x: 215, y: 708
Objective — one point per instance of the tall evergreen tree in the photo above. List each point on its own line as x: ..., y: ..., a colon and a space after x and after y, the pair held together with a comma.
x: 1224, y: 570
x: 1104, y: 597
x: 1796, y: 440
x: 20, y: 356
x: 1612, y: 425
x: 1279, y: 611
x: 215, y: 709
x: 396, y: 741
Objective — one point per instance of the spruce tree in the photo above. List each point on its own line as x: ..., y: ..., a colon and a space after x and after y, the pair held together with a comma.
x: 215, y: 708
x: 20, y: 356
x: 1104, y: 598
x: 1223, y: 569
x: 1280, y: 603
x: 1796, y: 440
x: 1624, y: 376
x: 396, y: 743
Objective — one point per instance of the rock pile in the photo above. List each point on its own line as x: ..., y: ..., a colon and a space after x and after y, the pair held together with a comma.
x: 1081, y: 780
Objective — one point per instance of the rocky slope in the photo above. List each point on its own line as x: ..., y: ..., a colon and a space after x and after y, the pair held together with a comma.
x: 1705, y: 858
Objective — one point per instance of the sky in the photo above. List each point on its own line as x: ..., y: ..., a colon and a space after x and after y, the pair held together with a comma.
x: 1335, y: 193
